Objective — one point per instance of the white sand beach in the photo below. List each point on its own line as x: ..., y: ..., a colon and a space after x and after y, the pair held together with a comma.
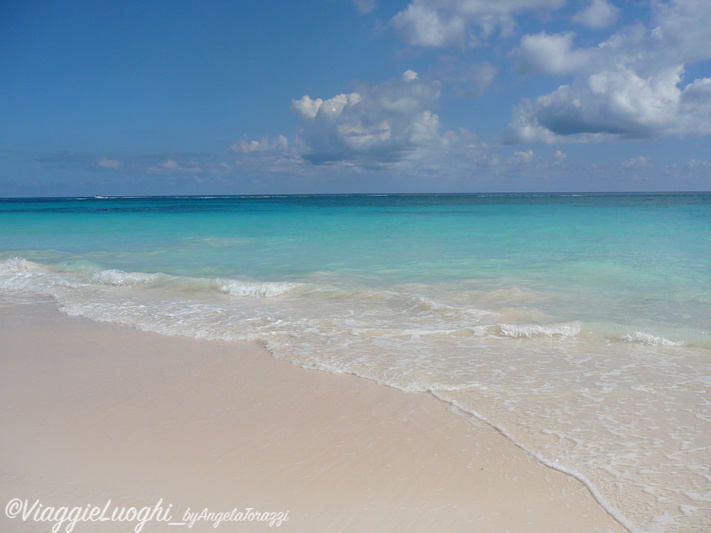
x: 96, y: 415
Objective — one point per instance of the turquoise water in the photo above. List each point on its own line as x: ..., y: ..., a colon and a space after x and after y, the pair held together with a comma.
x: 579, y: 325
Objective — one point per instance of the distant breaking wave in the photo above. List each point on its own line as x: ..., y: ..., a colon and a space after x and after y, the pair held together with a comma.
x: 20, y: 274
x: 78, y: 286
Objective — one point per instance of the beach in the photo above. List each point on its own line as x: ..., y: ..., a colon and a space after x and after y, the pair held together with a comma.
x: 427, y: 265
x: 95, y: 413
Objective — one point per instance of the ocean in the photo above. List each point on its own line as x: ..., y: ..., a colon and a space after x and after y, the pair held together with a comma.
x: 578, y: 325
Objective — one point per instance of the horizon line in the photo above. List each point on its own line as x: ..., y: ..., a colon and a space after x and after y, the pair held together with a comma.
x: 373, y: 194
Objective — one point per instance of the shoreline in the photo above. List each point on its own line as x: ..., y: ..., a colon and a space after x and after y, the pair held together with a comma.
x: 95, y: 412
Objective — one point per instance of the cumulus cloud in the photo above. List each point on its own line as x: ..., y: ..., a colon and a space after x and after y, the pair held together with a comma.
x: 598, y: 14
x: 306, y: 106
x: 550, y: 54
x: 630, y: 86
x: 409, y: 75
x: 378, y: 125
x: 695, y: 108
x: 277, y: 156
x: 616, y: 103
x: 332, y: 107
x: 461, y: 23
x: 682, y: 29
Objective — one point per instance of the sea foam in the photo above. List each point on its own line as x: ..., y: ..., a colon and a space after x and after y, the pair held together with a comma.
x: 534, y: 330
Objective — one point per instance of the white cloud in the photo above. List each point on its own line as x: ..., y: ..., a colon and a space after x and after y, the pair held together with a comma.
x: 520, y: 157
x: 105, y: 162
x: 695, y: 109
x: 610, y: 103
x: 306, y: 106
x: 637, y: 162
x: 422, y: 25
x: 333, y: 107
x: 550, y: 54
x: 460, y: 23
x: 480, y: 77
x: 696, y: 164
x: 171, y: 166
x: 598, y: 14
x: 174, y: 165
x: 630, y: 86
x: 409, y: 75
x: 246, y: 147
x: 365, y: 6
x: 382, y: 124
x: 683, y: 29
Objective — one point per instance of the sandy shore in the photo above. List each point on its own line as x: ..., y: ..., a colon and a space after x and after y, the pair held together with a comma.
x: 95, y: 415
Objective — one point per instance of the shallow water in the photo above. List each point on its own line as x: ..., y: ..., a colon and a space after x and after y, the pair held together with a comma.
x: 579, y: 325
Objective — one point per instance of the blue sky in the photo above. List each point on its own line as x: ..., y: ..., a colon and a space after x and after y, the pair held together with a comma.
x: 321, y: 96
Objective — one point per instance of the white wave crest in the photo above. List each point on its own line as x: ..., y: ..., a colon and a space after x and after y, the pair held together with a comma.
x: 570, y: 329
x: 20, y: 274
x: 16, y: 265
x: 120, y: 278
x: 255, y: 288
x: 651, y: 340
